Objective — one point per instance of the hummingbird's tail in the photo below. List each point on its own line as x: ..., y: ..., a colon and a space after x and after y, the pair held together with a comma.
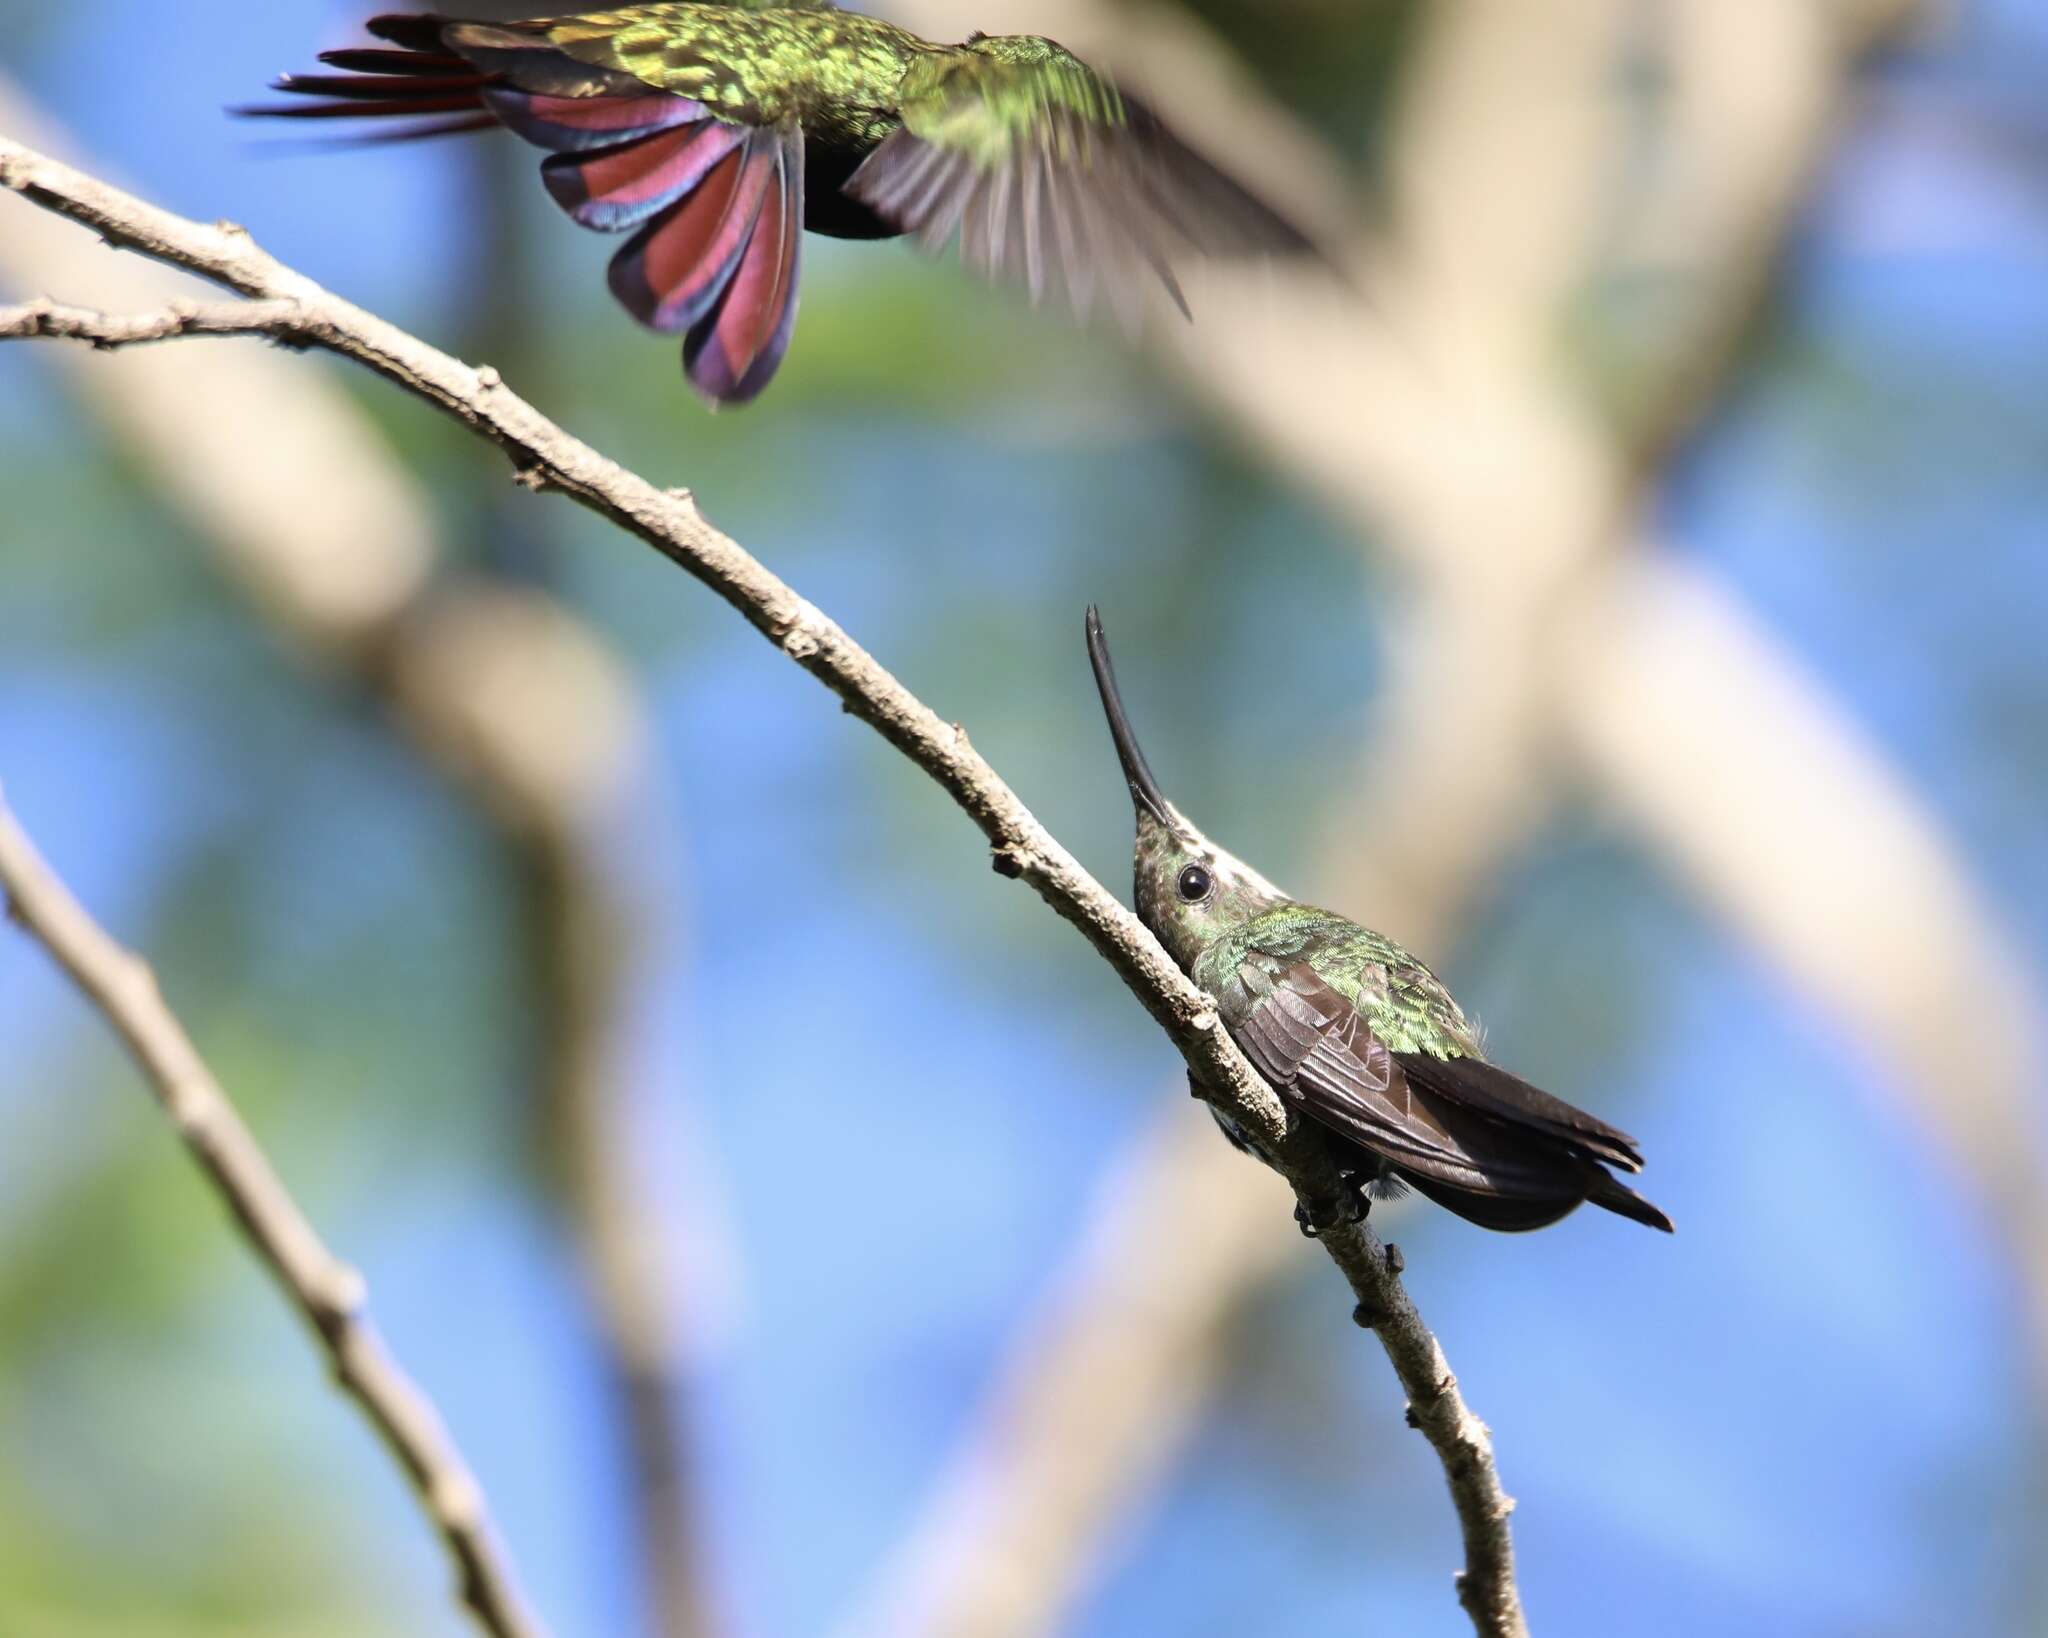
x: 1617, y: 1196
x: 415, y: 79
x: 719, y: 207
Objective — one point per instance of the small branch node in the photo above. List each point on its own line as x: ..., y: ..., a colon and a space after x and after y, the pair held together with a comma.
x: 796, y: 632
x: 339, y: 1299
x: 456, y: 1501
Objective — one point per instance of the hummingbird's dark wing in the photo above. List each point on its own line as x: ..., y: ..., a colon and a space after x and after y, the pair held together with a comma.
x: 1053, y: 179
x: 1491, y: 1090
x: 1496, y: 1165
x: 714, y: 200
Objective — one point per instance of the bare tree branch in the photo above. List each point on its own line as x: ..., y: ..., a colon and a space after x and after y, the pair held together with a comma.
x: 331, y: 1295
x: 500, y: 690
x: 548, y: 458
x: 180, y: 318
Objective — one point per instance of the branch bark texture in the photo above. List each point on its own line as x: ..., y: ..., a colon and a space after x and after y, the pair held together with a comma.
x: 298, y: 311
x: 327, y: 1291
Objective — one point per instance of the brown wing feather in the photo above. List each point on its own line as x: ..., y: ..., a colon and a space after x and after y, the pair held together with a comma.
x: 1506, y: 1156
x: 1490, y: 1090
x: 1317, y: 1048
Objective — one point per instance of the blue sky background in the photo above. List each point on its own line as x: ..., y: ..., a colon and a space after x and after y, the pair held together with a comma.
x: 1807, y: 1414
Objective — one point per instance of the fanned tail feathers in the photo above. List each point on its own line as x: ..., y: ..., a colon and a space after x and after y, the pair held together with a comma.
x: 719, y: 207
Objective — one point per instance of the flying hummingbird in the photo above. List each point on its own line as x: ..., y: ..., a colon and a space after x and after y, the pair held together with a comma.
x: 1358, y: 1034
x: 715, y: 132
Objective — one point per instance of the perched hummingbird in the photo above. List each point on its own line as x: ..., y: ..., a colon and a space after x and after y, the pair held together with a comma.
x: 1358, y: 1034
x: 717, y: 131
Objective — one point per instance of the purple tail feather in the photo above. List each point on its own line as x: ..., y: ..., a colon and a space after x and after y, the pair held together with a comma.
x: 719, y: 207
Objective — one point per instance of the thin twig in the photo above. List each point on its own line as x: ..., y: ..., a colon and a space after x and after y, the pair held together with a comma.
x: 545, y: 457
x: 332, y: 1295
x: 178, y: 318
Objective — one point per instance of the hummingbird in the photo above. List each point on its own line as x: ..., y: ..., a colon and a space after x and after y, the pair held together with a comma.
x: 715, y: 133
x: 1357, y: 1033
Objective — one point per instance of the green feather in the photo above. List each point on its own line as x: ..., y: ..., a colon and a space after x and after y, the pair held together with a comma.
x: 826, y: 67
x: 993, y: 97
x: 1405, y: 1003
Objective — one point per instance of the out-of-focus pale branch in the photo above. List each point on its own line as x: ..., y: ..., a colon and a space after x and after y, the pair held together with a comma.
x: 1449, y: 420
x: 1121, y: 1354
x: 327, y: 1292
x: 1158, y: 49
x: 546, y: 457
x: 501, y: 689
x: 332, y: 574
x: 1790, y: 823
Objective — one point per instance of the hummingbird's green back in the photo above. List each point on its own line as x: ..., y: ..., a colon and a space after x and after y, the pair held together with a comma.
x: 837, y: 71
x: 1402, y: 1001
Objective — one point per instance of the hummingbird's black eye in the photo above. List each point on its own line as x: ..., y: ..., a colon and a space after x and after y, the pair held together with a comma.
x: 1195, y: 883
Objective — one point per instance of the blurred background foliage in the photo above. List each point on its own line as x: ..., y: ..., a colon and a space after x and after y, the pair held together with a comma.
x: 880, y: 1086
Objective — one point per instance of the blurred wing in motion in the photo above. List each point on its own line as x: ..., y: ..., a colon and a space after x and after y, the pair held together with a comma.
x: 1056, y: 181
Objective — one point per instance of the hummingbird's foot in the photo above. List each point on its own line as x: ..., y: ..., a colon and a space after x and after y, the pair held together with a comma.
x: 1351, y: 1206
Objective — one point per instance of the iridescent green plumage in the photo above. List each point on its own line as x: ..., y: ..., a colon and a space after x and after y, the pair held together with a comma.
x: 838, y: 70
x: 1403, y: 1003
x: 1358, y: 1033
x: 852, y: 127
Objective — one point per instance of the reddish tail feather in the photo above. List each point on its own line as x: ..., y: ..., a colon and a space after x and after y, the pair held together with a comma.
x: 719, y: 207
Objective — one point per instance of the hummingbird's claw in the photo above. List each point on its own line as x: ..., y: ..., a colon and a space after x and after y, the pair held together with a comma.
x: 1352, y: 1206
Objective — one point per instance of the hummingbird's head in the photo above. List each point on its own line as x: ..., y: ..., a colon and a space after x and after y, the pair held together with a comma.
x: 1189, y: 891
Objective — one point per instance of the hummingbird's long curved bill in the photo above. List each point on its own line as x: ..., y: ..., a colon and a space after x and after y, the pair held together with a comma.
x: 1145, y: 791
